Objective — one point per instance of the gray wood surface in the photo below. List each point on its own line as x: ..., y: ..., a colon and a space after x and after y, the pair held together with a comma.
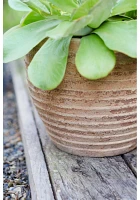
x: 72, y: 177
x: 38, y: 174
x: 131, y: 160
x: 82, y: 178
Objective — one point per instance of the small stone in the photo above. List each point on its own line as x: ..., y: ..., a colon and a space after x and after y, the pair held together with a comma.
x: 15, y: 140
x: 4, y: 158
x: 7, y: 198
x: 11, y: 189
x: 13, y: 168
x: 23, y: 198
x: 13, y: 196
x: 10, y: 95
x: 10, y: 184
x: 20, y: 143
x: 5, y: 186
x: 21, y: 158
x: 17, y: 181
x: 17, y: 190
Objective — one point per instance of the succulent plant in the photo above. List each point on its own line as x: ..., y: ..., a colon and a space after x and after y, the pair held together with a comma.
x: 103, y: 26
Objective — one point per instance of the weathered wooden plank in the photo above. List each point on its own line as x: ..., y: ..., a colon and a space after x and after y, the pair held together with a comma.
x: 82, y: 178
x: 131, y: 160
x: 38, y: 175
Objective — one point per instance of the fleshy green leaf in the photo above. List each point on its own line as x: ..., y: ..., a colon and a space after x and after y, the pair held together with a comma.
x: 101, y: 11
x: 30, y: 18
x: 93, y: 59
x: 83, y: 9
x: 18, y: 5
x: 123, y: 6
x: 46, y: 3
x: 84, y: 31
x: 47, y: 69
x: 35, y: 16
x: 37, y: 6
x: 11, y: 30
x: 65, y: 5
x: 20, y: 41
x: 120, y: 36
x: 53, y: 9
x: 67, y: 28
x: 132, y: 14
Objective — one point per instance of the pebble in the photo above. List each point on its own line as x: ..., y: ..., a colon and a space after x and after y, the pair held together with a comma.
x: 13, y: 196
x: 10, y: 184
x: 15, y: 181
x: 7, y: 198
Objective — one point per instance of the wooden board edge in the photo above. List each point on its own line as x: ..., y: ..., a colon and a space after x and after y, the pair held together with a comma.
x: 131, y: 160
x: 40, y: 184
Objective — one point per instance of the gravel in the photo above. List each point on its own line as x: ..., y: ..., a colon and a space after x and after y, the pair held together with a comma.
x: 15, y: 182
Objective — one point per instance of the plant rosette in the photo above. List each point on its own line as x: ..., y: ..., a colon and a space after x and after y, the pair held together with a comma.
x: 104, y: 32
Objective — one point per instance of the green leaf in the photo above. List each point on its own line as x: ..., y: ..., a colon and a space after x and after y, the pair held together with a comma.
x: 18, y: 5
x: 120, y: 36
x: 83, y: 9
x: 65, y: 5
x: 67, y: 28
x: 20, y: 41
x: 11, y: 30
x: 37, y: 6
x: 30, y: 18
x: 93, y: 59
x: 123, y: 6
x: 46, y: 3
x: 101, y: 11
x: 53, y: 9
x: 132, y: 14
x: 47, y: 69
x: 35, y: 16
x: 84, y: 31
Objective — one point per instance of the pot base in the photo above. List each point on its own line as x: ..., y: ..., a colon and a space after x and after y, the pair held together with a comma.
x: 96, y: 153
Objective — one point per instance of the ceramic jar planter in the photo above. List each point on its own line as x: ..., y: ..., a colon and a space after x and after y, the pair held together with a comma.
x: 90, y: 118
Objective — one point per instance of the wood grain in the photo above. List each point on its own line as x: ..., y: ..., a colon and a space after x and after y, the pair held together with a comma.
x: 131, y: 160
x: 83, y: 178
x: 38, y: 175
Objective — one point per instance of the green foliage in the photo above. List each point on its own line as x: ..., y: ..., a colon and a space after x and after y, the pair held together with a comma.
x: 47, y: 71
x: 31, y: 17
x: 94, y: 60
x: 117, y: 34
x: 21, y: 40
x: 104, y: 26
x: 66, y: 6
x: 123, y: 6
x: 18, y: 5
x: 37, y: 6
x: 101, y: 11
x: 83, y: 9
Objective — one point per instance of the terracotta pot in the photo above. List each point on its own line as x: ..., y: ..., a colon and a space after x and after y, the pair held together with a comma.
x: 90, y: 118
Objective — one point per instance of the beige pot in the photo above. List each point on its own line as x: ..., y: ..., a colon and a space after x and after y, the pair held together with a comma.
x: 90, y: 118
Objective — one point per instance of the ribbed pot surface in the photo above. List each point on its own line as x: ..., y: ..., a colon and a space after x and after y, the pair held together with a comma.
x: 90, y: 118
